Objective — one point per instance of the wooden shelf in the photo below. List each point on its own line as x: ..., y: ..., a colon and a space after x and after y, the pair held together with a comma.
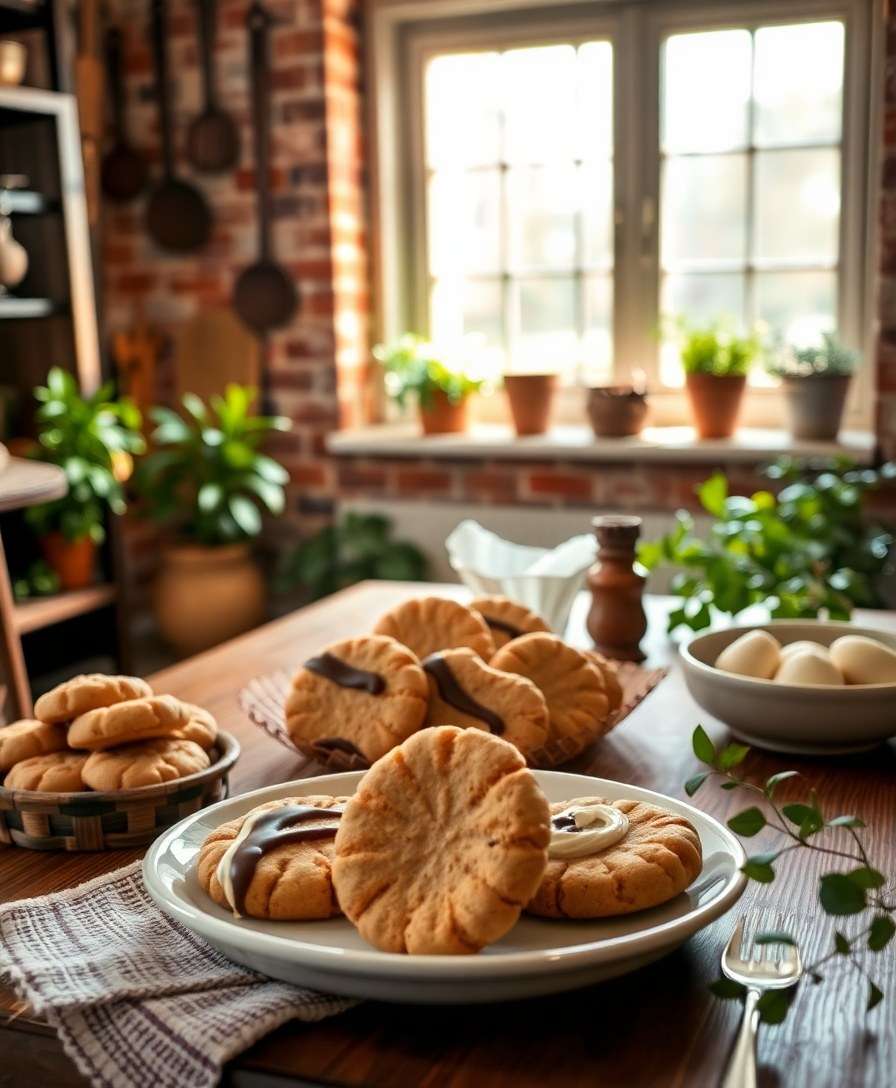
x: 13, y: 307
x: 27, y: 202
x: 43, y: 611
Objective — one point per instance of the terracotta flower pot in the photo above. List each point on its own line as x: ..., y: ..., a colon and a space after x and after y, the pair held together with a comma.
x: 715, y: 403
x: 616, y: 411
x: 73, y: 560
x: 442, y: 416
x: 206, y: 595
x: 815, y: 405
x: 531, y: 398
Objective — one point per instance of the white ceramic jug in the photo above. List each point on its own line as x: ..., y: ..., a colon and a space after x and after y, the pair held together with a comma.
x: 13, y: 256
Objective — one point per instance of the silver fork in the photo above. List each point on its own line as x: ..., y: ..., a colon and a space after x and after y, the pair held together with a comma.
x: 753, y: 967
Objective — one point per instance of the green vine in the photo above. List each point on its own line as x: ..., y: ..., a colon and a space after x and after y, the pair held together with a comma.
x: 857, y: 890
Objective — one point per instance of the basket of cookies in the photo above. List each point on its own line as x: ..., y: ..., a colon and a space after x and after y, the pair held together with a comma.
x: 492, y: 665
x: 107, y: 764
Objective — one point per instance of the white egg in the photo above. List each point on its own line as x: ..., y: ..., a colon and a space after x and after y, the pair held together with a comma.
x: 864, y: 660
x: 757, y: 653
x: 812, y: 666
x: 798, y: 647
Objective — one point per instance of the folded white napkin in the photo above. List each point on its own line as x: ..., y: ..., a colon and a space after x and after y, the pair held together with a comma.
x: 136, y: 998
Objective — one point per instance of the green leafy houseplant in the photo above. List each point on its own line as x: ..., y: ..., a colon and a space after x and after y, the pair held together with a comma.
x: 815, y: 381
x: 804, y: 551
x: 717, y: 350
x: 207, y: 474
x: 92, y: 438
x: 857, y: 889
x: 357, y: 547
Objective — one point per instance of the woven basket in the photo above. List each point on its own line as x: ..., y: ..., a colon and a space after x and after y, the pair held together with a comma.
x: 115, y: 819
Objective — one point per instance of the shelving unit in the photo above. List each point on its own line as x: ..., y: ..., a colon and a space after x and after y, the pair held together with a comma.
x: 42, y: 612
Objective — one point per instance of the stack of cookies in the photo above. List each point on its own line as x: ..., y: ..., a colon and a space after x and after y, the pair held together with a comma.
x: 446, y: 842
x: 493, y: 665
x: 98, y: 732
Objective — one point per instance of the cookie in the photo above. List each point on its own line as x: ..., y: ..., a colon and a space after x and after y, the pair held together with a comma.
x: 146, y: 763
x: 464, y: 691
x: 506, y: 619
x: 655, y: 859
x: 55, y: 772
x: 201, y: 728
x: 359, y: 697
x: 89, y: 692
x: 610, y: 674
x: 27, y: 738
x: 442, y: 845
x: 275, y: 862
x: 573, y: 688
x: 429, y: 624
x: 126, y: 723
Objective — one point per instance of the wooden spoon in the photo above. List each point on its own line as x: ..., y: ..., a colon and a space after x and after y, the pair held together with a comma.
x: 123, y: 169
x: 265, y: 297
x: 213, y: 140
x: 177, y: 216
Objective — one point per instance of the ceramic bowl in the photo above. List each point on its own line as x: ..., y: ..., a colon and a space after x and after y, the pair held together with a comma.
x: 809, y: 719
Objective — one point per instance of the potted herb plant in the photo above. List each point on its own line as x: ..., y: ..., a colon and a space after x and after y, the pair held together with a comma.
x: 92, y: 439
x: 815, y: 381
x: 209, y: 480
x: 716, y: 362
x: 413, y: 367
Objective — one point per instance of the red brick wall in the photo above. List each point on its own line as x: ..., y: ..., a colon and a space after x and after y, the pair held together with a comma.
x: 886, y: 353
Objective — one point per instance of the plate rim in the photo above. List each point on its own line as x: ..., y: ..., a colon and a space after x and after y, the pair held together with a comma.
x: 372, y: 962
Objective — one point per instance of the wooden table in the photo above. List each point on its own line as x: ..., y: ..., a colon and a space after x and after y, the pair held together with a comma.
x: 655, y: 1028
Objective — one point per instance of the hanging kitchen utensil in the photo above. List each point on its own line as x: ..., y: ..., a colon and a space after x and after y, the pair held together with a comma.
x: 177, y: 215
x: 123, y: 170
x: 265, y: 297
x: 213, y: 349
x: 213, y: 140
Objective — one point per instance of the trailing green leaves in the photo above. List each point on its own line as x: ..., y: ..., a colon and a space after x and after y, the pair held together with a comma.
x: 748, y: 823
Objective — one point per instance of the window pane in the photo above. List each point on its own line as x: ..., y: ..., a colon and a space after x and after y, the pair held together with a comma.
x: 704, y: 204
x: 547, y: 324
x: 701, y: 298
x: 463, y: 308
x: 597, y: 344
x: 542, y: 203
x: 597, y: 198
x: 797, y: 205
x: 595, y: 112
x: 464, y: 222
x: 798, y: 84
x: 463, y: 124
x: 798, y: 305
x: 706, y: 90
x: 539, y: 88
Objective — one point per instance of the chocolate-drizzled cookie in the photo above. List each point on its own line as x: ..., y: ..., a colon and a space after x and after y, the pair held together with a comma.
x: 506, y: 619
x: 464, y: 691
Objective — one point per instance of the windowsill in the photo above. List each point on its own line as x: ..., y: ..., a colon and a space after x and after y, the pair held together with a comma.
x: 577, y: 443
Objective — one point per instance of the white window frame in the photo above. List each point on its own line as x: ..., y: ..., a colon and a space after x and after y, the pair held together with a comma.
x: 404, y: 34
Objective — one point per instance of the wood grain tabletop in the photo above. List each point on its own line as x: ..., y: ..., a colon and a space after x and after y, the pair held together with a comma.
x: 655, y: 1028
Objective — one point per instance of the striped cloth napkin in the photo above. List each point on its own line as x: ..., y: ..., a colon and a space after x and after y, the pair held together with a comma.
x: 137, y: 1000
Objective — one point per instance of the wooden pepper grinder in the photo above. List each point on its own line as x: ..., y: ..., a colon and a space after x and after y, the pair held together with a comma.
x: 616, y: 620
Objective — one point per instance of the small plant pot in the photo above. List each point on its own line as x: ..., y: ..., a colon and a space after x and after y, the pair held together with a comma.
x: 531, y: 398
x: 715, y: 403
x: 206, y: 595
x: 616, y: 411
x: 815, y: 405
x: 73, y: 561
x: 443, y: 416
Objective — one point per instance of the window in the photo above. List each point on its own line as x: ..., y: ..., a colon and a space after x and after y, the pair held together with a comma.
x: 555, y: 183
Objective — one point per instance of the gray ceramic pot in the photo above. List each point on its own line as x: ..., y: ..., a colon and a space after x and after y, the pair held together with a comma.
x: 815, y: 405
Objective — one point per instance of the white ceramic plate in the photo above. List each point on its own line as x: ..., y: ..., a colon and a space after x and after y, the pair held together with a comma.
x: 809, y: 719
x: 536, y: 957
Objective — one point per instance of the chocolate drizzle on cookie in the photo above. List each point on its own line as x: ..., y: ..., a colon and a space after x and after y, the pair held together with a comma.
x: 565, y: 822
x: 454, y: 695
x: 345, y: 675
x: 326, y: 746
x: 269, y: 830
x: 503, y: 625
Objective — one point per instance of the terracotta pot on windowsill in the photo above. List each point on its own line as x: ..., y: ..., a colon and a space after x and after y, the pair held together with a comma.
x: 531, y: 398
x: 616, y: 411
x: 815, y: 405
x: 715, y: 403
x: 443, y: 416
x: 72, y: 560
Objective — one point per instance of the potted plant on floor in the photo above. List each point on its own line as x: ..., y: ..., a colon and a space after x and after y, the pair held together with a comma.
x: 414, y: 367
x: 92, y: 439
x: 815, y: 381
x: 209, y: 480
x: 716, y: 362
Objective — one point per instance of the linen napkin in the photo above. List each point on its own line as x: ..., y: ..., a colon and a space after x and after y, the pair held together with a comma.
x: 137, y: 1000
